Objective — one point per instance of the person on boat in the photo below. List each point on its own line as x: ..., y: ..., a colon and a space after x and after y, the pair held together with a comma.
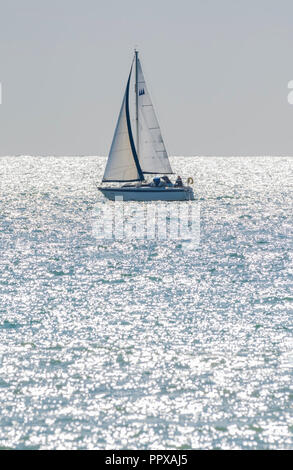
x: 167, y: 181
x: 178, y: 182
x: 156, y: 181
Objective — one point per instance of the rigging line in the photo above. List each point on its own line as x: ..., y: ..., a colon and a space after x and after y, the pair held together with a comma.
x: 135, y: 157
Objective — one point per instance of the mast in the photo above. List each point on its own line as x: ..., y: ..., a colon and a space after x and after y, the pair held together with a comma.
x: 136, y: 101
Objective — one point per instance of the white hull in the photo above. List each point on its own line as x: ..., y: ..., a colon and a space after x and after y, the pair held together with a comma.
x: 149, y: 193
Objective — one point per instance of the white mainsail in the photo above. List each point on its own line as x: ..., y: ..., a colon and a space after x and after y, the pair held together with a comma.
x: 152, y: 154
x: 121, y: 165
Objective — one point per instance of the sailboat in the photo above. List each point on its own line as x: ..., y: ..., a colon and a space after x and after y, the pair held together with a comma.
x: 133, y: 156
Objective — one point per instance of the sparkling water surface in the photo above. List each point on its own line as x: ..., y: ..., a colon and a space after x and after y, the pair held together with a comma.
x: 142, y: 344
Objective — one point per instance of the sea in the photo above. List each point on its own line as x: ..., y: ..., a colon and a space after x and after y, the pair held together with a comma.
x: 146, y: 343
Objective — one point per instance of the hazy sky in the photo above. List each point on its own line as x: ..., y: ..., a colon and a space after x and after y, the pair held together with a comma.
x: 217, y: 70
